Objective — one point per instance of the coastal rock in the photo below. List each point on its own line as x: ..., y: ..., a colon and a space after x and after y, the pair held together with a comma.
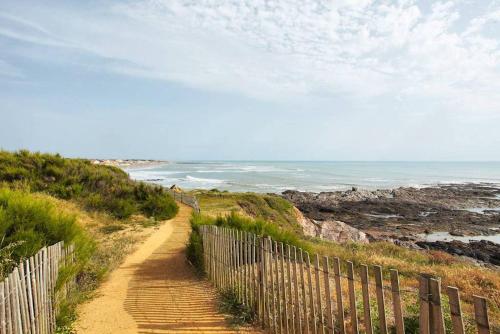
x: 340, y: 232
x: 309, y: 228
x: 485, y: 251
x: 332, y: 230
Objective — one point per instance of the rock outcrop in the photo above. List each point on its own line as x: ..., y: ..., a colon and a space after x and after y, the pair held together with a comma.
x: 332, y: 230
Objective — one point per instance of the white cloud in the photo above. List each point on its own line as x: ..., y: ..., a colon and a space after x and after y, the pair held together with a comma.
x: 279, y: 49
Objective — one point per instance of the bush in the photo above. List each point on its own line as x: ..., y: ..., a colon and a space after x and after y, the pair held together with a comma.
x: 97, y: 187
x: 194, y: 251
x: 30, y: 223
x: 160, y: 206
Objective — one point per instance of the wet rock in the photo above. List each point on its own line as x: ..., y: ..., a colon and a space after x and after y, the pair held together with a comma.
x: 485, y: 251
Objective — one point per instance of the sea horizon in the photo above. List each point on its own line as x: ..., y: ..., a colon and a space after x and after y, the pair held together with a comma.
x: 315, y: 176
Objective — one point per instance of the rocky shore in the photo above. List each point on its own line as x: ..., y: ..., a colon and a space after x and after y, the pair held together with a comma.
x: 406, y: 215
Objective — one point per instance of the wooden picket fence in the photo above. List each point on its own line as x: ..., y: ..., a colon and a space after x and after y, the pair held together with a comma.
x: 289, y: 293
x: 185, y: 199
x: 29, y: 302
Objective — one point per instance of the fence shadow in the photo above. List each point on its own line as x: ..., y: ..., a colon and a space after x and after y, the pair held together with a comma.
x: 165, y: 295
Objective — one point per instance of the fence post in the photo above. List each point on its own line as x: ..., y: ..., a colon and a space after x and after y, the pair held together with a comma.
x: 290, y: 292
x: 338, y: 290
x: 281, y: 315
x: 379, y: 284
x: 366, y: 299
x: 436, y: 318
x: 352, y: 298
x: 396, y: 302
x: 283, y: 284
x: 328, y: 296
x: 311, y: 295
x: 455, y: 310
x: 298, y: 322
x: 321, y: 327
x: 424, y: 304
x: 481, y: 315
x: 304, y: 292
x: 3, y: 323
x: 272, y: 265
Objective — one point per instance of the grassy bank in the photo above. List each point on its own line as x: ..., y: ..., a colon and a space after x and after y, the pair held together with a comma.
x: 46, y: 198
x: 97, y: 187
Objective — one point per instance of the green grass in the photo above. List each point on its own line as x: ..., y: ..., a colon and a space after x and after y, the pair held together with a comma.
x: 102, y: 188
x: 28, y: 223
x: 267, y: 207
x: 256, y: 226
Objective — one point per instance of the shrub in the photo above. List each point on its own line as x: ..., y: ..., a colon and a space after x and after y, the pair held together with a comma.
x: 97, y: 187
x: 30, y: 223
x: 159, y: 205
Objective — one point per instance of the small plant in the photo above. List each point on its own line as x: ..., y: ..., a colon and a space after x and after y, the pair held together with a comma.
x: 239, y: 313
x: 7, y: 261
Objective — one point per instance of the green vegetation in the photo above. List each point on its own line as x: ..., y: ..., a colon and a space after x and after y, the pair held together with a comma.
x: 266, y: 207
x: 256, y: 226
x: 102, y: 188
x: 28, y: 223
x: 45, y: 198
x: 239, y: 314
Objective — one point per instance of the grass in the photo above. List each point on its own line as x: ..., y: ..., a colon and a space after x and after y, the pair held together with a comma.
x: 100, y: 188
x: 266, y: 207
x: 28, y: 223
x: 239, y: 314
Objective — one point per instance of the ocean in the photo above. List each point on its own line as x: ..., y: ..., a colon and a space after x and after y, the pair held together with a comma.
x: 277, y: 176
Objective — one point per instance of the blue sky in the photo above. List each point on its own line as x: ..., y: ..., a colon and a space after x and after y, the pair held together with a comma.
x: 255, y: 79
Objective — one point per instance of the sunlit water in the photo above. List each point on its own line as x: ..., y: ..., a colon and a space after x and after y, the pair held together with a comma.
x: 445, y: 236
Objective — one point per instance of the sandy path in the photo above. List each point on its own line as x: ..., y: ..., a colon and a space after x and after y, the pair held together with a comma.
x: 156, y: 291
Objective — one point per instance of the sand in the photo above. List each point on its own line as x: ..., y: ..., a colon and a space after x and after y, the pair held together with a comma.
x: 155, y: 290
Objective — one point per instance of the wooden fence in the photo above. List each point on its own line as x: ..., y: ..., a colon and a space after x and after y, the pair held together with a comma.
x: 29, y: 301
x: 291, y: 293
x: 185, y: 199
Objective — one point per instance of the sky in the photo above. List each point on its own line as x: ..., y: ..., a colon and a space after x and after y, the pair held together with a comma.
x: 252, y: 79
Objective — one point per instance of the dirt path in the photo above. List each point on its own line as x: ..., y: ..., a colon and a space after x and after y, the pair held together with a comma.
x: 156, y: 291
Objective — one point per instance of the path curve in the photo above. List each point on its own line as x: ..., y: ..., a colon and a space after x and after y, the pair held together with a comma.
x: 155, y: 291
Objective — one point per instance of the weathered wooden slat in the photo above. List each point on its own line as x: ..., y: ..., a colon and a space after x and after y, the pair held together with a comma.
x: 366, y: 299
x: 455, y: 310
x: 338, y: 290
x: 352, y: 298
x: 306, y: 319
x: 481, y: 315
x: 298, y: 321
x: 321, y: 322
x: 274, y: 314
x: 279, y: 289
x: 396, y: 302
x: 285, y: 293
x: 379, y: 287
x: 312, y: 303
x: 328, y: 296
x: 8, y: 306
x: 3, y: 322
x: 437, y: 319
x: 423, y: 292
x: 289, y: 289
